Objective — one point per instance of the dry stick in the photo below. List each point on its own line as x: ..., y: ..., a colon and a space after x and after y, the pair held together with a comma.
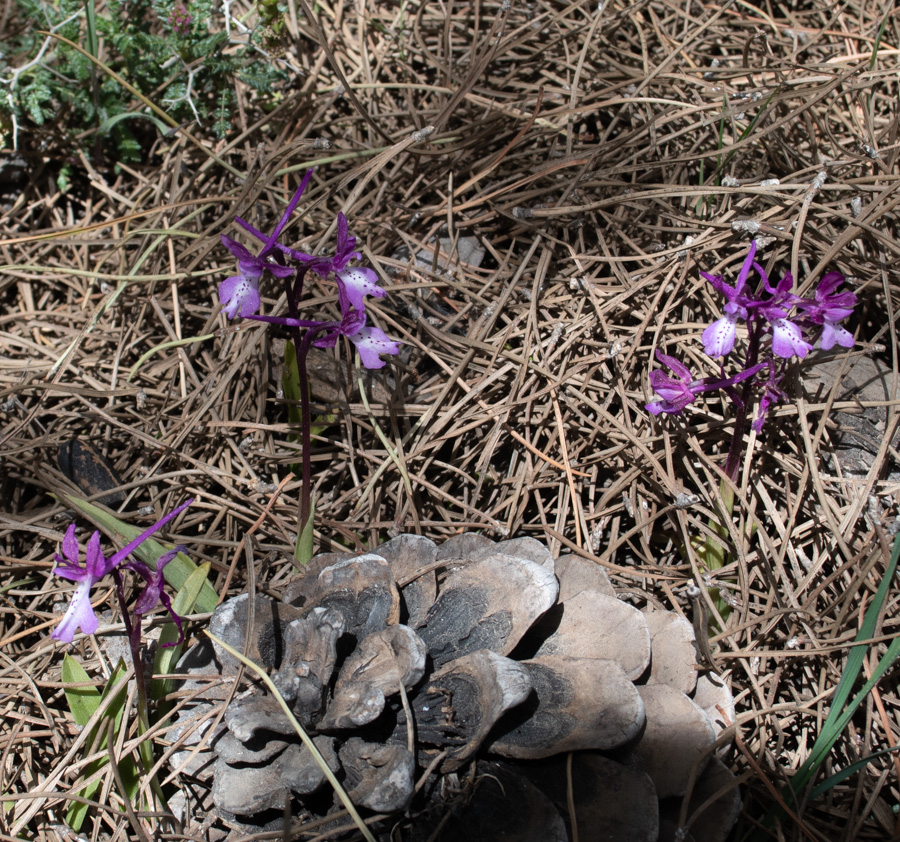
x: 133, y: 820
x: 323, y: 43
x: 65, y: 763
x: 773, y: 790
x: 580, y: 525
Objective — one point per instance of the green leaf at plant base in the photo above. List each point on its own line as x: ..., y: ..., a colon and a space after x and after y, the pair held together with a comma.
x: 84, y: 702
x: 167, y: 656
x: 176, y: 572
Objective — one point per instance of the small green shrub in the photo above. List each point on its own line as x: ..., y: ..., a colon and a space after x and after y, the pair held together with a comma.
x: 176, y: 53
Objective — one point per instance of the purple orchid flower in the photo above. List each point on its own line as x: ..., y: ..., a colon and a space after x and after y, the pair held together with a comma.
x: 718, y: 338
x: 80, y: 613
x: 771, y: 314
x: 240, y: 293
x: 153, y: 593
x: 676, y: 392
x: 353, y: 284
x: 828, y: 308
x: 680, y: 391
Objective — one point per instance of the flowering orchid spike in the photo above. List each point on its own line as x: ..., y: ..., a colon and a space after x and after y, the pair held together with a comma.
x: 80, y: 613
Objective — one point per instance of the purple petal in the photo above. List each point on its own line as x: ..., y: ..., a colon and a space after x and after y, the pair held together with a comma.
x: 787, y: 340
x: 292, y: 206
x: 352, y: 323
x: 357, y: 283
x: 279, y: 271
x: 371, y: 342
x: 668, y: 388
x: 328, y: 340
x: 748, y: 265
x: 680, y: 369
x: 675, y: 397
x: 79, y: 615
x: 783, y: 291
x: 239, y: 294
x: 828, y: 285
x: 96, y: 564
x: 72, y: 572
x: 149, y: 597
x: 70, y: 545
x: 718, y: 338
x: 345, y: 242
x: 300, y: 256
x: 122, y: 554
x: 833, y: 334
x: 240, y: 252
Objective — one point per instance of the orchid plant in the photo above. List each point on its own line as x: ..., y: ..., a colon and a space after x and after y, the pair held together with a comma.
x: 780, y: 326
x: 80, y: 616
x: 240, y: 296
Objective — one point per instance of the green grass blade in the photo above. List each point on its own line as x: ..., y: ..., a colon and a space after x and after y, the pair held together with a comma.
x: 852, y: 769
x: 839, y: 716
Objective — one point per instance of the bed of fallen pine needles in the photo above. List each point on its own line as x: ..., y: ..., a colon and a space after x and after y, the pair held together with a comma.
x: 585, y: 151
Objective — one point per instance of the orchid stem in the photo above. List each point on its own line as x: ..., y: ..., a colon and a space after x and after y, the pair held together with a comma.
x: 133, y: 630
x: 302, y: 340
